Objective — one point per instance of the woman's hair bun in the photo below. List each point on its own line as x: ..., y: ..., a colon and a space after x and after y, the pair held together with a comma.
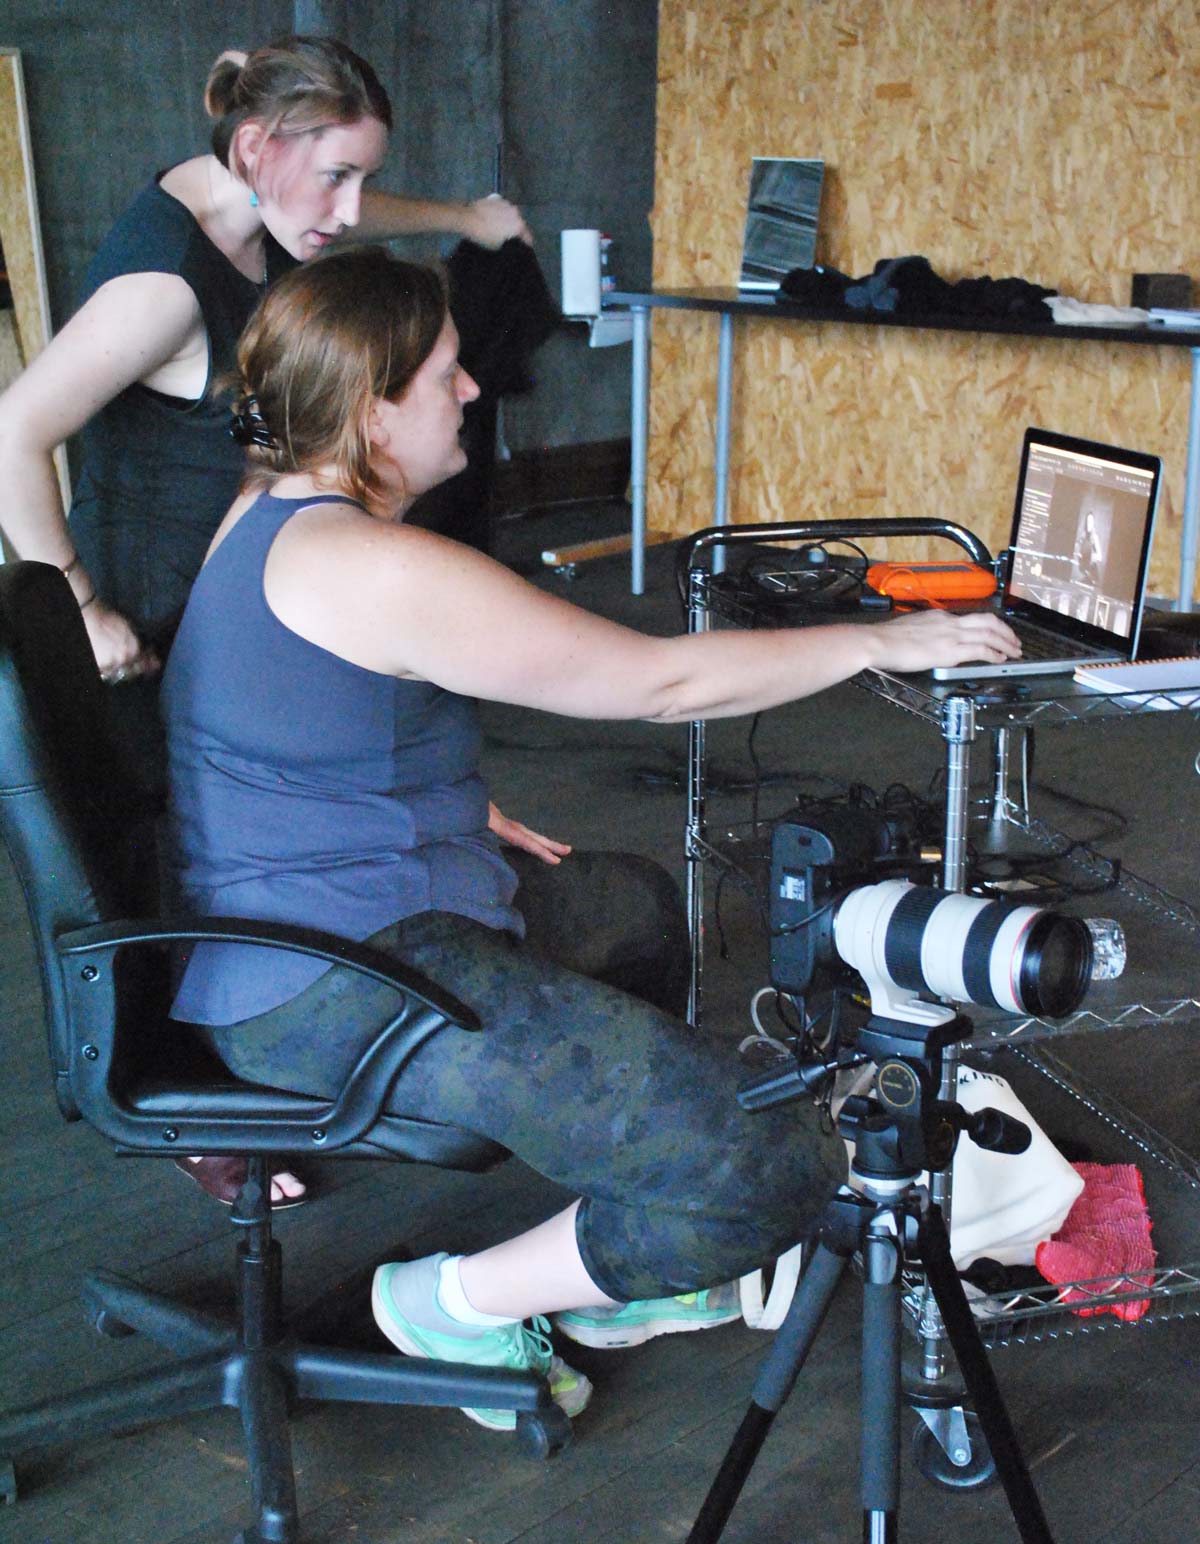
x: 220, y: 90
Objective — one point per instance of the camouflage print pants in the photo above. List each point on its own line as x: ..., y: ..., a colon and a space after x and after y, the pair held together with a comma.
x: 605, y: 1092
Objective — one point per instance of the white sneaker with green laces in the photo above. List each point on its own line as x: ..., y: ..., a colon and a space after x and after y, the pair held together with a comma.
x: 406, y: 1308
x: 635, y: 1323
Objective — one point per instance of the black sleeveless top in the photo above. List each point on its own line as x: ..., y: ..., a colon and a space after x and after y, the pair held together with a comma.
x: 159, y: 472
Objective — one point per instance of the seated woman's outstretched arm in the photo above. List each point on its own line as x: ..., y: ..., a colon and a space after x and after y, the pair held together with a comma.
x: 412, y: 604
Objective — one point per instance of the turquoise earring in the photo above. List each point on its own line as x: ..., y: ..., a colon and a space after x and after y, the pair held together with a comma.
x: 253, y: 200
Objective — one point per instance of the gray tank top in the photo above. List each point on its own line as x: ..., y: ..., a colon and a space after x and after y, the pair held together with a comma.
x: 307, y: 789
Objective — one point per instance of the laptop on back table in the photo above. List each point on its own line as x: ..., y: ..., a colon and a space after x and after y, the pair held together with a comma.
x: 1078, y: 559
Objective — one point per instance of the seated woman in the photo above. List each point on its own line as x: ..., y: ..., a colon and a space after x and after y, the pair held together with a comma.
x: 299, y: 128
x: 324, y: 753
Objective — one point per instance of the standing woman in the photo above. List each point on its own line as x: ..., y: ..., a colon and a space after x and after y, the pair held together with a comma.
x: 299, y: 126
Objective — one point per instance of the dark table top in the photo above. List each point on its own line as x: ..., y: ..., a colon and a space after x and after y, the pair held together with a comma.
x: 728, y: 300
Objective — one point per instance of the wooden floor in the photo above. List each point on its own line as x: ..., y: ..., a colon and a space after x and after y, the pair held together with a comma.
x: 1109, y: 1420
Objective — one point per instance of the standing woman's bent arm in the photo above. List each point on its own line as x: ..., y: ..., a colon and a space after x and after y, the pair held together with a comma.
x: 139, y: 327
x: 488, y: 221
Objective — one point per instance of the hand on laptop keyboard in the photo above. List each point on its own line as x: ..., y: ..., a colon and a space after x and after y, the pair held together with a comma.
x: 921, y: 640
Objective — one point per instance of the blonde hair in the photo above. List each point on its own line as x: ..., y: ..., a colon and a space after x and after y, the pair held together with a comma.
x: 326, y: 341
x: 292, y: 86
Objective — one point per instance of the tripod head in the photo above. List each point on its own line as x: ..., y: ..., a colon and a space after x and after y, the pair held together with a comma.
x: 902, y: 1127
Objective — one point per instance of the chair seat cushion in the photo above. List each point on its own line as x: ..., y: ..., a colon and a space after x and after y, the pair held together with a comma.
x: 396, y: 1136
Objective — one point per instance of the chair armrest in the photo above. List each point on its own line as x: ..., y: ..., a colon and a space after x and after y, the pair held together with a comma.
x: 235, y: 1118
x: 105, y: 937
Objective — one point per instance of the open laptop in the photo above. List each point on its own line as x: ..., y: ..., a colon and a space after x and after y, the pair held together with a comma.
x: 1078, y: 558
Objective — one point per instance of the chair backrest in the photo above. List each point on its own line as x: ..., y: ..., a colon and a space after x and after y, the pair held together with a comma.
x: 79, y: 838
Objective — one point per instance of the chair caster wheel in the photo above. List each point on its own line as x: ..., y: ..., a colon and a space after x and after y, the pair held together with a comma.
x: 8, y: 1483
x: 543, y: 1433
x: 112, y: 1329
x: 935, y: 1463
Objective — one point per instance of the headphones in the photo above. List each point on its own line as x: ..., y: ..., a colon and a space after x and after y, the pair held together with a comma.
x: 809, y: 579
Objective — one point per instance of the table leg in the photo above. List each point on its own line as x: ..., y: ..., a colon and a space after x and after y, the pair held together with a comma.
x: 698, y: 622
x: 695, y: 869
x: 724, y: 405
x: 958, y: 731
x: 1189, y: 534
x: 639, y: 433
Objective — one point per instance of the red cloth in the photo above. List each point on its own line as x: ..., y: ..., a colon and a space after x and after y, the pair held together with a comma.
x: 1106, y: 1236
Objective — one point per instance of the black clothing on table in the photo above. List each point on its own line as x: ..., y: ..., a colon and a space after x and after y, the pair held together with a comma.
x: 909, y: 286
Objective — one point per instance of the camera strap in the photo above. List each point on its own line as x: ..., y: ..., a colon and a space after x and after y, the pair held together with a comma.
x: 768, y: 1313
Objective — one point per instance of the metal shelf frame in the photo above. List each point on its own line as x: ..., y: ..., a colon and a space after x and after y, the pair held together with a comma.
x: 961, y: 718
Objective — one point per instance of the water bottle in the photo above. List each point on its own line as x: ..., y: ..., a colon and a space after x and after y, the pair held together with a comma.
x: 1108, y: 947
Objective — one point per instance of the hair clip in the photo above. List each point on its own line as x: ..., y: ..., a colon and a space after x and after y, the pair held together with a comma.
x: 249, y: 427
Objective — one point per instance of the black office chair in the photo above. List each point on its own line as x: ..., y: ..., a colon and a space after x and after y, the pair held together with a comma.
x: 82, y: 850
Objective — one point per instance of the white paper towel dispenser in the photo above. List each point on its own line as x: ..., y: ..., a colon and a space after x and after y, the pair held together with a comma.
x: 581, y: 290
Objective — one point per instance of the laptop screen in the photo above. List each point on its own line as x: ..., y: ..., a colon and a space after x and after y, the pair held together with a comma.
x: 1081, y: 537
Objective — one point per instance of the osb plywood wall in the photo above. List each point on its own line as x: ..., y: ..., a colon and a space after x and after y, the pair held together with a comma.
x: 1058, y: 141
x: 25, y: 329
x: 19, y: 237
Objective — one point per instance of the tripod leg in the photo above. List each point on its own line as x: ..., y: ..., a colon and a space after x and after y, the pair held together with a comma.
x: 881, y: 1387
x: 776, y: 1379
x: 934, y: 1242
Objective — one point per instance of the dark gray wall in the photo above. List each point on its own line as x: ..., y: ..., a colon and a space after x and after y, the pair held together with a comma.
x: 568, y: 85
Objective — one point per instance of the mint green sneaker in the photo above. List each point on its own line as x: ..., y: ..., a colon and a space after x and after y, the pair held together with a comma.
x: 635, y: 1323
x: 405, y: 1305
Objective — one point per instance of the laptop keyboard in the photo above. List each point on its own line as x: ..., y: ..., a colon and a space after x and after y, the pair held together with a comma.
x: 1036, y: 644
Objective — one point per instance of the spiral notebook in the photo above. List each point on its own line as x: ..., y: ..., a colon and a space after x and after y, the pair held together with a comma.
x: 1144, y: 678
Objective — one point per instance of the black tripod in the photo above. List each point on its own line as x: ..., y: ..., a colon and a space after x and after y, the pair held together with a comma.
x: 898, y: 1132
